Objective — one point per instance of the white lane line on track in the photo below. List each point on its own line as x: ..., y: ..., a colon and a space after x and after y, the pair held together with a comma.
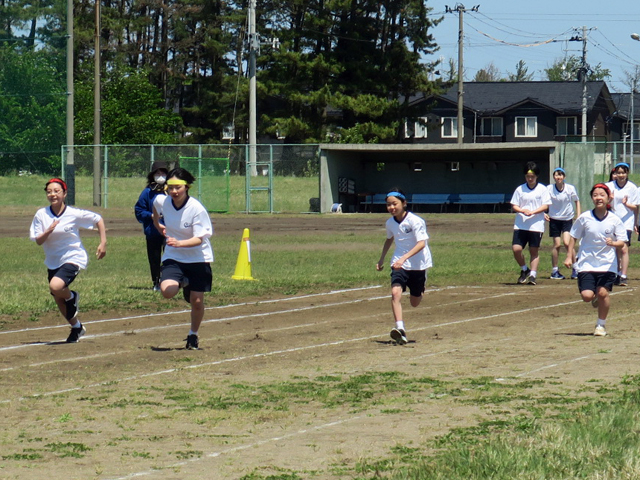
x: 243, y: 447
x: 164, y: 314
x: 241, y: 317
x: 268, y: 354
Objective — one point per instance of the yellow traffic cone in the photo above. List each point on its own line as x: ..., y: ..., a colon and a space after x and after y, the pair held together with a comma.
x: 243, y: 266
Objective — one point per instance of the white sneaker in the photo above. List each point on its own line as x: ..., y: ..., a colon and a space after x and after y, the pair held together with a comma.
x: 399, y: 336
x: 600, y: 331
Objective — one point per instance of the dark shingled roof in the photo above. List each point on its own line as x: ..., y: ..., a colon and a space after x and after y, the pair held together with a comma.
x: 497, y: 97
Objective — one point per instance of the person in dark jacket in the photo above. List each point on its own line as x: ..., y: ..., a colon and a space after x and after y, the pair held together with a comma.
x: 156, y: 180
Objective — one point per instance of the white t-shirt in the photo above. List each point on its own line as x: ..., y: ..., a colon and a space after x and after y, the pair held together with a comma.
x: 594, y: 254
x: 405, y: 236
x: 191, y: 220
x: 63, y: 244
x: 561, y: 207
x: 524, y: 197
x: 630, y: 190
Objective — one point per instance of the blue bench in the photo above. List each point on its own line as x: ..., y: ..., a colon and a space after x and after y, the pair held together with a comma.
x: 494, y: 199
x: 441, y: 199
x: 377, y: 199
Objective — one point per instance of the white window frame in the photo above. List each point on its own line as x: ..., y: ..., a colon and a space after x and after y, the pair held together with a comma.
x: 450, y: 123
x: 416, y: 129
x: 495, y: 124
x: 530, y: 125
x: 636, y: 129
x: 565, y: 130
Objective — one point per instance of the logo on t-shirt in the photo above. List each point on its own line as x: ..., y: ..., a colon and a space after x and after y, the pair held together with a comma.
x: 187, y: 225
x: 405, y: 228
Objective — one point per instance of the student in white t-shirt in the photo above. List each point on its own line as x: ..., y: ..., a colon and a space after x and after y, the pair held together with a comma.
x: 187, y: 257
x: 530, y: 201
x: 410, y: 261
x: 56, y: 229
x: 601, y: 233
x: 625, y: 205
x: 560, y: 217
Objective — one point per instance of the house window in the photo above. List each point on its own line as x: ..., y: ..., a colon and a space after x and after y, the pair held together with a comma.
x: 636, y: 130
x: 491, y: 127
x: 566, y: 126
x: 526, y: 126
x: 416, y: 129
x: 449, y: 127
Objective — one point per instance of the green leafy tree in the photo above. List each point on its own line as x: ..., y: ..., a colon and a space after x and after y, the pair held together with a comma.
x: 521, y: 74
x: 32, y: 102
x: 132, y: 111
x: 569, y: 69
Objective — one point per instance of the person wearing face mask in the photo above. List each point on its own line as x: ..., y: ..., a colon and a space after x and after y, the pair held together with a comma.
x: 156, y: 180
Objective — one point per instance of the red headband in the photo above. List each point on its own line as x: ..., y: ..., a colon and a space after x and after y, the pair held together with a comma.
x: 56, y: 180
x: 603, y: 186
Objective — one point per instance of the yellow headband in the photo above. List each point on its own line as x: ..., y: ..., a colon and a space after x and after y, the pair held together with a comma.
x: 176, y: 181
x: 531, y: 171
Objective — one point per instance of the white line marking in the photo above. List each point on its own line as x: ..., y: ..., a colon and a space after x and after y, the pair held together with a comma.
x: 243, y: 447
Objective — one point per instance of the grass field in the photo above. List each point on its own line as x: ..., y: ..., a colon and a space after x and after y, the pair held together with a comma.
x: 502, y: 382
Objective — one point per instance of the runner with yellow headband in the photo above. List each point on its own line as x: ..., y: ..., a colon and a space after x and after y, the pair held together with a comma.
x: 186, y: 262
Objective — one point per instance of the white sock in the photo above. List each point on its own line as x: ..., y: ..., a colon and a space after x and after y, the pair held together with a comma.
x: 600, y: 323
x: 554, y: 269
x: 533, y: 273
x: 191, y: 332
x: 400, y: 325
x: 77, y: 325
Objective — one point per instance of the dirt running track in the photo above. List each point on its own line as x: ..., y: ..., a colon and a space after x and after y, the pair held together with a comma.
x: 128, y: 401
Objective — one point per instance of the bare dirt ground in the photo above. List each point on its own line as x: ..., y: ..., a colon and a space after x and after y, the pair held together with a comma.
x: 128, y: 401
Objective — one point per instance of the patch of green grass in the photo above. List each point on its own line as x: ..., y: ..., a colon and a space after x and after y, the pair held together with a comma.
x: 68, y: 449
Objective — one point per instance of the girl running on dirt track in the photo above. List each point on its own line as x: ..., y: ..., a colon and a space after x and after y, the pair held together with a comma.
x: 560, y: 217
x: 410, y: 261
x: 56, y: 229
x: 600, y: 232
x: 625, y: 206
x: 530, y: 201
x: 188, y: 253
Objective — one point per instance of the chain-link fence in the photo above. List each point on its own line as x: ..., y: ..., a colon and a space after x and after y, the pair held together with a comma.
x: 282, y: 178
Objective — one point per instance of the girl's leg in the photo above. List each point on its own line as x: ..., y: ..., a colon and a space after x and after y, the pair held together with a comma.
x: 555, y: 251
x: 396, y: 306
x: 535, y: 259
x: 169, y: 288
x: 154, y: 255
x: 61, y: 294
x: 624, y: 260
x: 197, y: 311
x: 603, y: 303
x: 415, y: 301
x: 517, y: 254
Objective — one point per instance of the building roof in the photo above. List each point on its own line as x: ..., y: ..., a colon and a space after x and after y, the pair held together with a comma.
x: 623, y: 105
x: 497, y: 97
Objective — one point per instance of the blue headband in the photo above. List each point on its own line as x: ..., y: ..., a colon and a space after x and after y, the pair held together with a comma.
x: 623, y: 164
x: 559, y: 170
x: 397, y: 195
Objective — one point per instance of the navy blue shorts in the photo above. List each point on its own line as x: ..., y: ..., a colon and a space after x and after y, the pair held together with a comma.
x: 67, y: 272
x: 522, y: 237
x: 415, y: 280
x: 593, y: 280
x: 558, y: 227
x: 197, y: 274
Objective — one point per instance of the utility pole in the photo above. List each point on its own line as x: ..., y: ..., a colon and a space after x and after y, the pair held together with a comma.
x: 254, y: 45
x: 584, y: 73
x: 460, y: 9
x: 70, y: 173
x: 96, y: 109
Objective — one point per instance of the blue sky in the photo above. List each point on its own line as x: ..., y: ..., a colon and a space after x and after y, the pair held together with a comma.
x: 490, y: 32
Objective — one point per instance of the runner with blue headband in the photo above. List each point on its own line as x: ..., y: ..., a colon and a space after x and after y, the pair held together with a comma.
x: 410, y: 261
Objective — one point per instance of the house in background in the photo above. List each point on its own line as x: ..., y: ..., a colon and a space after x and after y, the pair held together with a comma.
x: 499, y: 112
